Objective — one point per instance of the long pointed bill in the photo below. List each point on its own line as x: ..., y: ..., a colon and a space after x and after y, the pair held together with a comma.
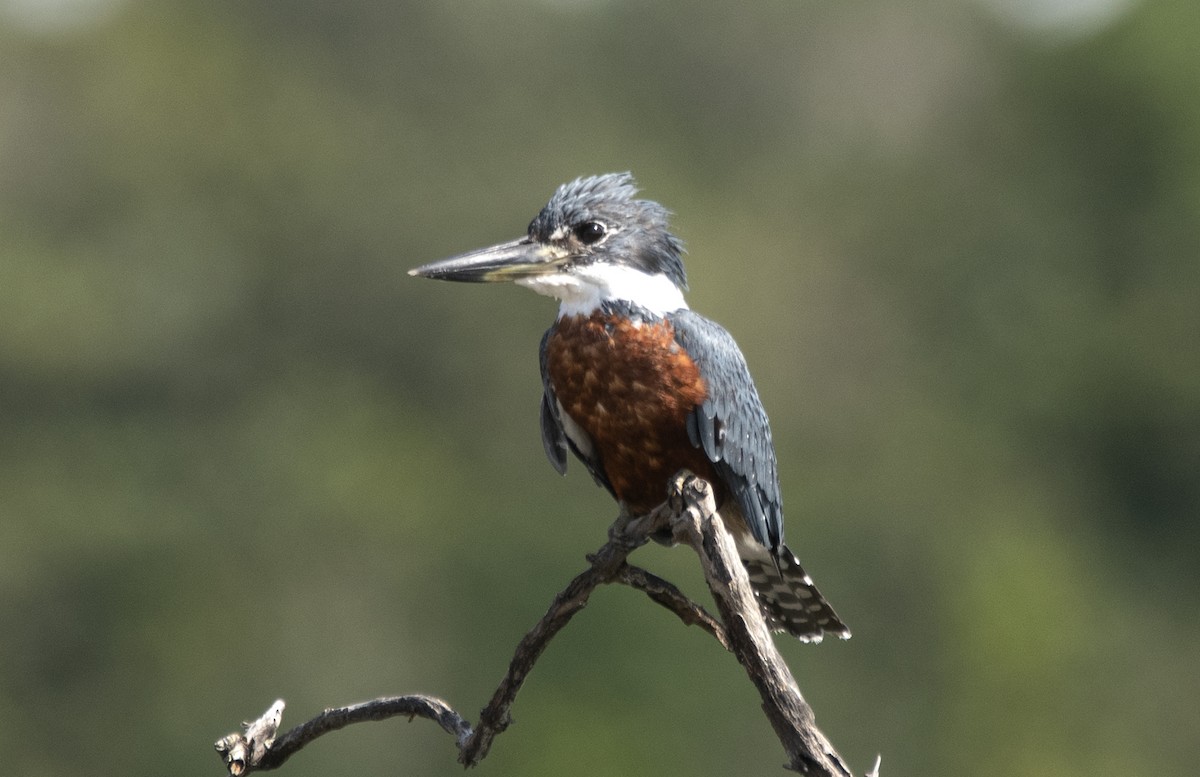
x: 505, y: 262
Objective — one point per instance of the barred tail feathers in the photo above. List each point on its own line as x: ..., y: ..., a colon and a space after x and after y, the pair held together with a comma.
x: 789, y: 600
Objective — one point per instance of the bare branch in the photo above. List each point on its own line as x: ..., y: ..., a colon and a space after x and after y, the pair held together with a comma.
x: 606, y: 566
x: 697, y: 524
x: 242, y: 754
x: 665, y: 593
x: 691, y: 518
x: 256, y: 750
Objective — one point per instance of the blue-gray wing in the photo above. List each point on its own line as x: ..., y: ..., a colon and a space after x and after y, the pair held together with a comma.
x: 555, y: 440
x: 731, y: 425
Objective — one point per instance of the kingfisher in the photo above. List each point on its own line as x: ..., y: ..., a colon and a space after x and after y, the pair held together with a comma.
x: 638, y: 386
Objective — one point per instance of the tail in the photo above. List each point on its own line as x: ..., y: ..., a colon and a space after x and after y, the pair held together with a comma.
x: 789, y: 600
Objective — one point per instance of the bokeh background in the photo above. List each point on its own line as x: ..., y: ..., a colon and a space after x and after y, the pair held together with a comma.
x: 244, y: 456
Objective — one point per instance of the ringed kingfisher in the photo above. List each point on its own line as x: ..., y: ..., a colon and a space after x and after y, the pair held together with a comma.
x: 638, y: 387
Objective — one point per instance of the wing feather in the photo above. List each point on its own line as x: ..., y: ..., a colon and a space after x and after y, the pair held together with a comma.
x: 731, y: 425
x: 554, y: 440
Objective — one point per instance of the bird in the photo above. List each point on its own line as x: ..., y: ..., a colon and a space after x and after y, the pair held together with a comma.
x: 639, y: 387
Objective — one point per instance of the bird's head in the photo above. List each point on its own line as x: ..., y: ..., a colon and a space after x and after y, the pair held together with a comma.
x: 592, y: 243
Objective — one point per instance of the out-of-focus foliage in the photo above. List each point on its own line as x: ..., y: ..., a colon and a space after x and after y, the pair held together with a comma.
x: 243, y: 455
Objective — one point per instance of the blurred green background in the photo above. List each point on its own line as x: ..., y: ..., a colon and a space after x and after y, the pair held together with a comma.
x: 243, y: 455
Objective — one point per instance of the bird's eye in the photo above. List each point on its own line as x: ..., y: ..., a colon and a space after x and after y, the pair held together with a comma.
x: 590, y: 232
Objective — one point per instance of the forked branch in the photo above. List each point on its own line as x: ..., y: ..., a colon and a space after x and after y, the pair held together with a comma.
x: 690, y: 516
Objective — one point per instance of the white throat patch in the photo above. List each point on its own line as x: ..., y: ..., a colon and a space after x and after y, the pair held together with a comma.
x: 585, y: 288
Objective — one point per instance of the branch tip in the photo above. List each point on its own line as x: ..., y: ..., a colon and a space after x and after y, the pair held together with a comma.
x: 244, y: 751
